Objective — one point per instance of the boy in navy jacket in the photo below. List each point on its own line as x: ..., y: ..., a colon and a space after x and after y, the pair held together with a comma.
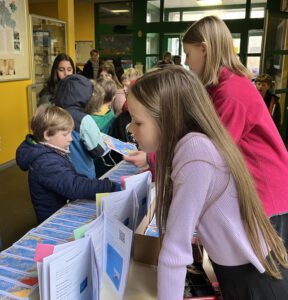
x: 52, y: 177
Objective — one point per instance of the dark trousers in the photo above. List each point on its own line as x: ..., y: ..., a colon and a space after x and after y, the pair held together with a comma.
x: 246, y: 283
x: 280, y: 223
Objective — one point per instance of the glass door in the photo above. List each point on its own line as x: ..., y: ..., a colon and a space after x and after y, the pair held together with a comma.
x: 275, y: 60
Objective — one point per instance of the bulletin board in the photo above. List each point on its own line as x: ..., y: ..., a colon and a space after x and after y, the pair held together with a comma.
x: 14, y: 56
x: 83, y: 49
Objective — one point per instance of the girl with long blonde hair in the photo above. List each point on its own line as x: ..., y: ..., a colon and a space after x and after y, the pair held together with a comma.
x: 202, y: 184
x: 210, y: 54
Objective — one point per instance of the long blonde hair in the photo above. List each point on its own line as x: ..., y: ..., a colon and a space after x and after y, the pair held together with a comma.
x: 220, y: 50
x: 180, y: 104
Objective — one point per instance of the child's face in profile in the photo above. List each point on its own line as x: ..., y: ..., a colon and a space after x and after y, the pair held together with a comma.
x: 143, y: 126
x: 195, y: 57
x: 61, y: 139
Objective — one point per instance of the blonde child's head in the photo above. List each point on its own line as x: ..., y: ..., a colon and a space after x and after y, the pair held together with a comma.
x: 49, y: 120
x: 132, y: 74
x: 213, y: 38
x: 97, y: 99
x: 109, y: 87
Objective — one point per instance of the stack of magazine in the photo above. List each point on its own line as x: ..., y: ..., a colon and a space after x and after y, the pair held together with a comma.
x: 80, y: 242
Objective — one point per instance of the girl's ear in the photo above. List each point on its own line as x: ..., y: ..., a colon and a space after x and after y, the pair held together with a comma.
x: 46, y: 136
x: 204, y: 48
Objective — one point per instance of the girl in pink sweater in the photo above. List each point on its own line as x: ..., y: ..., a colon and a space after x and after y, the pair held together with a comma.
x: 210, y: 54
x: 203, y: 184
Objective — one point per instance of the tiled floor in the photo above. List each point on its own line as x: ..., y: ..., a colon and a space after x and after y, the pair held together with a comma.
x: 16, y: 211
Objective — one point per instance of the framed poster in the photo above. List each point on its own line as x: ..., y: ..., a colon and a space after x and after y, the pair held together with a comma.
x: 83, y: 49
x: 14, y: 56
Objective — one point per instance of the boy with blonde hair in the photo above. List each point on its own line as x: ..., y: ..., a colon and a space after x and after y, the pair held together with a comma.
x: 45, y: 155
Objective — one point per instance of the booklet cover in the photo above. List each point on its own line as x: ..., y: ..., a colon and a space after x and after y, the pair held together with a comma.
x: 119, y: 146
x: 141, y: 184
x: 25, y: 279
x: 121, y: 205
x: 18, y: 251
x: 9, y: 288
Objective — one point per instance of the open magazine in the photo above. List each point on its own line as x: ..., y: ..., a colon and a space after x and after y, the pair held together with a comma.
x: 74, y: 270
x: 122, y: 205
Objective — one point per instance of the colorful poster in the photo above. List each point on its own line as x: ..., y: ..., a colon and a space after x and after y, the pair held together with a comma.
x: 14, y: 57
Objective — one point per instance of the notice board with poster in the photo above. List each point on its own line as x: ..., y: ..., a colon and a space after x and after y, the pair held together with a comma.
x: 14, y: 56
x: 83, y: 49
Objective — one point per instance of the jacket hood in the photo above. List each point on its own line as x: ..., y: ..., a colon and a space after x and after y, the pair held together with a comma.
x: 28, y: 151
x: 73, y: 91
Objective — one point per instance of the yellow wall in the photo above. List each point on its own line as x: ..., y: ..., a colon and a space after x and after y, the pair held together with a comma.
x: 14, y: 105
x: 13, y: 117
x: 84, y: 21
x: 49, y: 10
x: 13, y: 114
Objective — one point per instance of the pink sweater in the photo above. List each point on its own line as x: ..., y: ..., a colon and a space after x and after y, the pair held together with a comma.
x: 199, y: 176
x: 244, y: 113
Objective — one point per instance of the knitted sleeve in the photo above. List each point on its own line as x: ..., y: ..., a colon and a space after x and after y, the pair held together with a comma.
x: 191, y: 188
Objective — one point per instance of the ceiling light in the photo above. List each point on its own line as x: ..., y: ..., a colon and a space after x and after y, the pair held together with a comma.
x: 119, y: 11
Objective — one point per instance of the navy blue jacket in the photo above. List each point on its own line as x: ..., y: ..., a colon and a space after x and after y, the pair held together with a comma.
x: 53, y: 179
x: 73, y: 94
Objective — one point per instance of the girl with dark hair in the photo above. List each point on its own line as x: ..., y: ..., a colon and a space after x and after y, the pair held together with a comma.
x: 63, y: 66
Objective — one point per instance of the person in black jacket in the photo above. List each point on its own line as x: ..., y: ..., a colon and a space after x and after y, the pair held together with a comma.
x: 45, y: 155
x: 264, y: 84
x: 90, y: 69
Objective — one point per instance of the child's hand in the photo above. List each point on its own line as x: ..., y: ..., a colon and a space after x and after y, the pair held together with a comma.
x: 138, y: 158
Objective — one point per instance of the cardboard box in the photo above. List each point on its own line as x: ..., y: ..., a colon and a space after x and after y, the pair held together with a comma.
x: 146, y: 248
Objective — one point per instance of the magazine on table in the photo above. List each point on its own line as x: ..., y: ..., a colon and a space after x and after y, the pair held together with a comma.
x: 78, y: 266
x: 122, y: 205
x: 141, y: 183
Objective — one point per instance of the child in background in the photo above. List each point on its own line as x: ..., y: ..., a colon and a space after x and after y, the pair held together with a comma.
x: 102, y: 114
x: 202, y: 184
x: 100, y: 110
x: 210, y: 54
x: 45, y: 155
x: 108, y: 69
x: 264, y: 84
x: 129, y: 77
x: 73, y: 94
x: 63, y: 66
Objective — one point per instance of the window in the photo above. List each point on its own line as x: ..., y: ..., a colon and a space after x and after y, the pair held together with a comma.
x: 257, y: 9
x: 179, y: 10
x: 254, y: 50
x: 236, y: 42
x: 153, y: 11
x: 152, y: 43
